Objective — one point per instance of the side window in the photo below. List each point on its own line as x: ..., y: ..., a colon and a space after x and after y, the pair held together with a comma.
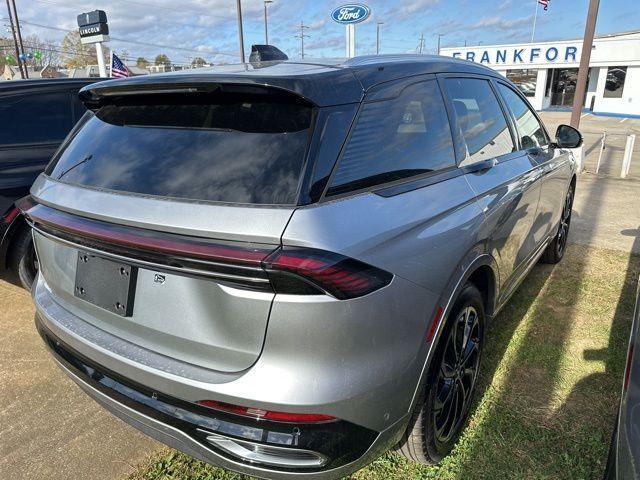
x: 529, y: 129
x: 35, y: 118
x: 480, y: 119
x: 394, y: 139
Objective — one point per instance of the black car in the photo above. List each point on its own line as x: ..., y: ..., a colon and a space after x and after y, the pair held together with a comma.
x: 35, y: 116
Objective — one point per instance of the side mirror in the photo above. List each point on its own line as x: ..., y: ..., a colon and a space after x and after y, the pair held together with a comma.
x: 568, y: 137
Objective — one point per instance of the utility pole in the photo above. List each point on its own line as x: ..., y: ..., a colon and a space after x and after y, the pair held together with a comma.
x: 440, y: 35
x: 421, y: 46
x: 22, y: 65
x: 585, y: 57
x: 266, y: 28
x: 301, y: 37
x: 240, y: 33
x: 15, y: 40
x: 378, y: 37
x: 17, y: 22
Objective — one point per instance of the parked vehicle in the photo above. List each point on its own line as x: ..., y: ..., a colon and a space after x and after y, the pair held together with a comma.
x: 35, y: 116
x: 286, y: 271
x: 624, y: 455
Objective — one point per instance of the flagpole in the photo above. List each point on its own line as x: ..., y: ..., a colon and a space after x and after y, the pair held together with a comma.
x: 535, y: 17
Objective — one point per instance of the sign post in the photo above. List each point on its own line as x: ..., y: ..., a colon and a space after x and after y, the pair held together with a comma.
x: 349, y: 15
x: 94, y: 29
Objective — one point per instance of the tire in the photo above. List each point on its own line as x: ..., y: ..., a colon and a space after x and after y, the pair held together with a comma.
x: 22, y: 258
x: 555, y: 250
x: 431, y: 434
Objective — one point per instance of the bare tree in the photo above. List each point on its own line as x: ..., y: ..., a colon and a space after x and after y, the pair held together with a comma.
x: 76, y: 54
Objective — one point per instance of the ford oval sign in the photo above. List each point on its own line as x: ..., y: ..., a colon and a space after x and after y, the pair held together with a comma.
x: 352, y: 13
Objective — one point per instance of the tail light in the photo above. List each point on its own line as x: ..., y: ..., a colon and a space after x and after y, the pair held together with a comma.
x: 290, y: 270
x: 627, y: 371
x: 11, y: 214
x: 261, y: 414
x: 301, y: 270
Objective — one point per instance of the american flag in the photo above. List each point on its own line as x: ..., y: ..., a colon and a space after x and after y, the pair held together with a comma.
x: 118, y: 68
x: 545, y: 3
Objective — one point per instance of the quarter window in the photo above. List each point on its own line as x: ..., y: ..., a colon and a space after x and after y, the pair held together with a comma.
x: 529, y: 129
x: 35, y: 118
x: 395, y: 139
x: 480, y: 119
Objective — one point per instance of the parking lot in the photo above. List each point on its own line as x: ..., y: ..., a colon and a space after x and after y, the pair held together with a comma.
x: 549, y: 390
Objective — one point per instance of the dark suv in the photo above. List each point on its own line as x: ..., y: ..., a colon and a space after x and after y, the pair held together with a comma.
x: 35, y: 116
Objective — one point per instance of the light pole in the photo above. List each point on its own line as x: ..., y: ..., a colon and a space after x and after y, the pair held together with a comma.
x: 378, y: 37
x: 440, y: 35
x: 266, y: 28
x: 240, y: 34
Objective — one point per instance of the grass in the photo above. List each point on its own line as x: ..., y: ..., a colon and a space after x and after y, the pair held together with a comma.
x: 549, y: 388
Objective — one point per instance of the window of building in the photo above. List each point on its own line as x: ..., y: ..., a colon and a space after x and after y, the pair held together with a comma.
x: 480, y: 119
x: 525, y: 79
x: 614, y: 84
x: 529, y: 129
x: 394, y: 139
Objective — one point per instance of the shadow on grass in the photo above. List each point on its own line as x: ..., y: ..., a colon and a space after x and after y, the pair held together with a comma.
x: 553, y: 372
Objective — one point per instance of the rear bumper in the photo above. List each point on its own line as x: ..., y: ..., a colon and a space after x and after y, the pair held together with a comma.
x: 160, y: 409
x: 172, y: 422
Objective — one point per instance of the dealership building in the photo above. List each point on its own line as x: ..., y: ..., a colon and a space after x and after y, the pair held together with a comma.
x: 546, y: 72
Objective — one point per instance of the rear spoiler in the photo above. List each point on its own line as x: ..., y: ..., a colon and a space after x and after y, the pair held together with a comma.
x: 322, y: 86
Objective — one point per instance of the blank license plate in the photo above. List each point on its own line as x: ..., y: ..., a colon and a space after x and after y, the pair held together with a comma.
x: 105, y: 283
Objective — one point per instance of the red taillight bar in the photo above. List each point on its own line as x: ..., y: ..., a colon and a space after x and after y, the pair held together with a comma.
x: 290, y: 270
x: 150, y: 240
x: 11, y: 214
x: 261, y: 414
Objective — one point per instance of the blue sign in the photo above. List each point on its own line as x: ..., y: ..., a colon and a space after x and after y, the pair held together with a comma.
x: 351, y: 13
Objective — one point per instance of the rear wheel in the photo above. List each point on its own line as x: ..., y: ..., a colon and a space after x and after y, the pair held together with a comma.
x: 444, y: 404
x: 555, y: 250
x: 22, y: 258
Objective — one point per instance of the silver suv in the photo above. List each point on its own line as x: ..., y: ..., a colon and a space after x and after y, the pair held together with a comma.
x: 287, y: 270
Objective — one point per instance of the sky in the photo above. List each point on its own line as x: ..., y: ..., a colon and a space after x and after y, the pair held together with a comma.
x: 184, y: 29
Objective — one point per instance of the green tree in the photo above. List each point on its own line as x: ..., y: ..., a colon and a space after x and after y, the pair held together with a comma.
x: 198, y: 62
x: 142, y: 62
x: 162, y: 59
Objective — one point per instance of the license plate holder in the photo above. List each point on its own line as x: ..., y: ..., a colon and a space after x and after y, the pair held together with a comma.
x: 106, y: 283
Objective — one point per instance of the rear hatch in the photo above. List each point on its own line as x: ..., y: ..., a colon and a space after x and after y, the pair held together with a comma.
x: 152, y: 221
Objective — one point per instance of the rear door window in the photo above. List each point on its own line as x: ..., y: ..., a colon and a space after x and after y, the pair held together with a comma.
x: 224, y: 147
x: 395, y: 139
x: 529, y: 129
x: 35, y: 118
x: 481, y: 121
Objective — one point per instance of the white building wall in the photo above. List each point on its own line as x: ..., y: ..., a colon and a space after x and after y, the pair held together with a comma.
x: 629, y: 104
x: 612, y: 50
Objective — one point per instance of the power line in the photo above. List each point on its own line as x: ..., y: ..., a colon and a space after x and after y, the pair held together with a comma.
x: 135, y: 42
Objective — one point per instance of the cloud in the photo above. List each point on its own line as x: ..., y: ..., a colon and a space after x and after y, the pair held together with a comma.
x: 499, y: 23
x: 504, y: 5
x: 407, y: 9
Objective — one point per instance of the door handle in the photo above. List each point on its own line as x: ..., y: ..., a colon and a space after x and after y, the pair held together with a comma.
x: 480, y: 166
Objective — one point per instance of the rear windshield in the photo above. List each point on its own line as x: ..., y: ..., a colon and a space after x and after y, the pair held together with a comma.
x: 231, y: 147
